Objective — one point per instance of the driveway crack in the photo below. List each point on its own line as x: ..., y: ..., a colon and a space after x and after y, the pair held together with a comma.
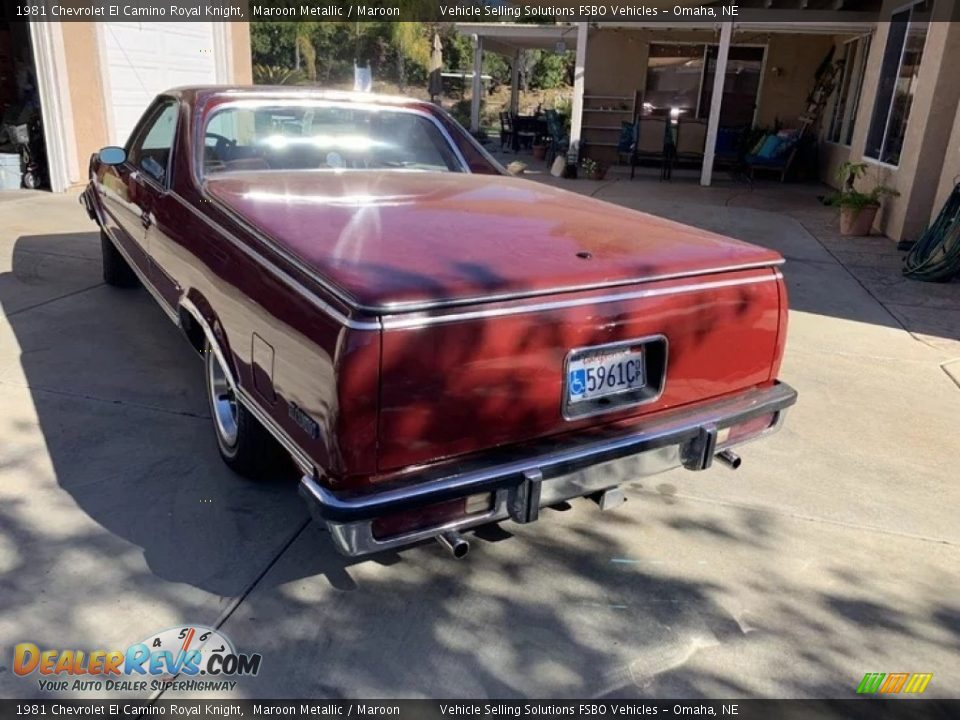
x: 53, y: 300
x: 107, y: 401
x: 238, y: 600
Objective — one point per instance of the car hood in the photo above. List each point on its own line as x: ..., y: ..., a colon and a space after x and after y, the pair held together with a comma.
x: 399, y: 239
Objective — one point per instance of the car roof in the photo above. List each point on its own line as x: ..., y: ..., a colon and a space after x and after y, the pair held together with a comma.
x: 199, y: 94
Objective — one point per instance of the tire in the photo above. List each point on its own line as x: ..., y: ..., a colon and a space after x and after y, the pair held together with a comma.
x: 116, y: 270
x: 244, y: 444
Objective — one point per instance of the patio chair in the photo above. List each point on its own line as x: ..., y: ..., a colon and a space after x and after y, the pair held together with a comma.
x: 691, y: 140
x: 775, y: 152
x: 627, y: 142
x: 506, y: 130
x: 651, y: 143
x: 559, y: 140
x: 727, y: 150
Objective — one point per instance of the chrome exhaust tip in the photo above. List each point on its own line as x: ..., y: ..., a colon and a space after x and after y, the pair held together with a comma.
x: 455, y: 543
x: 730, y: 459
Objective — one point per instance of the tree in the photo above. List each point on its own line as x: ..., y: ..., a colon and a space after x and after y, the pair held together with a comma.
x: 303, y: 46
x: 411, y: 42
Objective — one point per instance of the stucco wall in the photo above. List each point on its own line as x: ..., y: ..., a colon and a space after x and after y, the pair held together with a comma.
x: 616, y: 61
x: 240, y: 54
x: 791, y: 64
x: 950, y: 173
x: 86, y: 92
x: 919, y: 177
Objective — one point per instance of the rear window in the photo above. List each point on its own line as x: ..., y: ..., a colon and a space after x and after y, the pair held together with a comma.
x: 286, y: 137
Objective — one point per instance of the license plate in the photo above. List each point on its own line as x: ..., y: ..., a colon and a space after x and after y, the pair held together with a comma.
x: 592, y: 375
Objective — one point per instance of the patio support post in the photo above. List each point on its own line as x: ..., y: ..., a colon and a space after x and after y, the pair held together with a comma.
x: 576, y: 110
x: 716, y: 99
x: 477, y: 83
x: 515, y: 84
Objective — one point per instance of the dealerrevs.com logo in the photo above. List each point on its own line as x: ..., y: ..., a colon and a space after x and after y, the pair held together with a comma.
x: 193, y: 657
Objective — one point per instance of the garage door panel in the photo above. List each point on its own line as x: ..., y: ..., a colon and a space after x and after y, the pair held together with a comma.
x: 142, y: 60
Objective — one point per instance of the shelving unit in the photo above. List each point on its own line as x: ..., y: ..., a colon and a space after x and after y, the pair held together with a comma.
x: 602, y: 115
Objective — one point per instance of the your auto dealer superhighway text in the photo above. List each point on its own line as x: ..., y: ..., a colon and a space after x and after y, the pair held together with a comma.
x: 223, y: 12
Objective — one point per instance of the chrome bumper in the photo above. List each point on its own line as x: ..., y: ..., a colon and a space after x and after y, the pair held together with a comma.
x: 522, y: 480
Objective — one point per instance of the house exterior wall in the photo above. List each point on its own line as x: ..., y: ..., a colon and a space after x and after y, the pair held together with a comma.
x: 950, y: 173
x: 88, y: 101
x: 82, y: 52
x: 783, y: 94
x: 241, y: 60
x: 929, y: 159
x: 617, y: 60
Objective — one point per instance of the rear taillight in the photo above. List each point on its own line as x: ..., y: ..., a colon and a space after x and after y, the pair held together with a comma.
x: 746, y: 430
x: 431, y: 516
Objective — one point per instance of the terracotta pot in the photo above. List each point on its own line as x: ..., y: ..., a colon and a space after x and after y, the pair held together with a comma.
x: 539, y: 152
x: 598, y: 174
x: 854, y: 221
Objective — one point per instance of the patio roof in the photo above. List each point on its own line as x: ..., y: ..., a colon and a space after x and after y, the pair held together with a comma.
x: 510, y: 38
x: 507, y: 38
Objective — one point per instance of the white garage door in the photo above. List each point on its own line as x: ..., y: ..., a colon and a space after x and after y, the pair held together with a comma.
x: 141, y: 60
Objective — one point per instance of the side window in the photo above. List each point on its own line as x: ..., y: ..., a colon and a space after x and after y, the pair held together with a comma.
x: 153, y: 146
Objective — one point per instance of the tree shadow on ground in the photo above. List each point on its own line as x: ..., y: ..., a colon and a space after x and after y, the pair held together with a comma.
x: 134, y: 522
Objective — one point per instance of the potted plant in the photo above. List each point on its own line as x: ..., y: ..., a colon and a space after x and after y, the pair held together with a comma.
x: 539, y: 148
x: 593, y: 170
x: 858, y: 209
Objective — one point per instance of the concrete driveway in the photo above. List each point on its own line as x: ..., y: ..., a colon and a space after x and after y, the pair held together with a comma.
x: 831, y: 553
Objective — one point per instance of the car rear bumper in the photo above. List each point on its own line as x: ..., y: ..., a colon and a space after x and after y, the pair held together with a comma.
x: 522, y: 480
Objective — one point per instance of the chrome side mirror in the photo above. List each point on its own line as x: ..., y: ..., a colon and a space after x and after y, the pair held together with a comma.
x: 112, y: 155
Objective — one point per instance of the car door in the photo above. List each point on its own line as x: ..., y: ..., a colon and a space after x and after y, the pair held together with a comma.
x: 124, y: 194
x: 151, y: 155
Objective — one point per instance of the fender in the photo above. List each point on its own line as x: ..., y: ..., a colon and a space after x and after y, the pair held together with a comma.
x: 220, y: 349
x: 219, y: 346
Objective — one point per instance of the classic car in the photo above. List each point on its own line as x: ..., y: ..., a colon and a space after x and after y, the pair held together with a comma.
x: 436, y: 344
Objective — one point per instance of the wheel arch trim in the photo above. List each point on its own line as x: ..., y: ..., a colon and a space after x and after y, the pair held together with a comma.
x: 186, y: 305
x: 301, y: 458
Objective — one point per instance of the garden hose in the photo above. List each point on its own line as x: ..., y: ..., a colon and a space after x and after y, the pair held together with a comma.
x: 936, y: 255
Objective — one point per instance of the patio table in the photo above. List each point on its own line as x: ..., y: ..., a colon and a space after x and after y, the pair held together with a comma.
x: 535, y: 125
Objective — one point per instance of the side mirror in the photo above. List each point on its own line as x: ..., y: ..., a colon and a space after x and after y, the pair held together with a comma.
x: 112, y: 155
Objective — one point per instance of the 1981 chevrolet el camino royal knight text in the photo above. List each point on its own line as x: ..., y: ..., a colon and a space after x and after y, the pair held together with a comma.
x: 436, y: 344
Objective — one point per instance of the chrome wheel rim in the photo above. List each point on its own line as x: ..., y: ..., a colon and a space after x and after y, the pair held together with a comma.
x: 223, y: 402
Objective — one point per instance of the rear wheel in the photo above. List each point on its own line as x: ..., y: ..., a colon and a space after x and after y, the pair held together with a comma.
x: 244, y: 444
x: 116, y: 270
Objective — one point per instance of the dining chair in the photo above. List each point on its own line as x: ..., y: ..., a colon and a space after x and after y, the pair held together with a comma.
x: 506, y: 130
x: 691, y: 140
x: 651, y: 143
x: 559, y: 141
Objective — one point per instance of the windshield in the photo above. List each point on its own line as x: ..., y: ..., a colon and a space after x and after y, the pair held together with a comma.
x: 323, y: 136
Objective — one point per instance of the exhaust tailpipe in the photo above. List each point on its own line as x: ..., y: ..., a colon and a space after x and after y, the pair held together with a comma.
x: 729, y: 458
x: 455, y: 543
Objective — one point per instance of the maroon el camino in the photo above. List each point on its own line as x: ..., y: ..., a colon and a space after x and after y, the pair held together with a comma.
x: 437, y: 345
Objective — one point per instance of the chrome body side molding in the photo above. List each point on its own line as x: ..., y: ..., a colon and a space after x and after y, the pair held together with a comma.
x: 413, y: 321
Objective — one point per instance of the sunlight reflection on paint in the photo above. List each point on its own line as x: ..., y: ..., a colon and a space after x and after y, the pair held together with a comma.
x: 345, y: 199
x: 340, y: 142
